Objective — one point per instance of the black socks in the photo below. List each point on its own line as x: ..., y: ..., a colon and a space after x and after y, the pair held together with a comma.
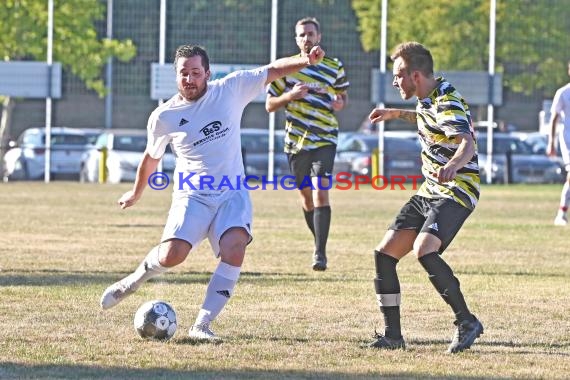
x: 387, y: 288
x: 447, y: 285
x: 322, y: 222
x: 309, y: 218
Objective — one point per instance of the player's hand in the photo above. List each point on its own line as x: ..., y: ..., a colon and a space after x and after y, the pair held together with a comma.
x: 446, y: 174
x: 299, y: 91
x: 316, y: 55
x: 382, y: 114
x: 127, y: 200
x: 337, y: 103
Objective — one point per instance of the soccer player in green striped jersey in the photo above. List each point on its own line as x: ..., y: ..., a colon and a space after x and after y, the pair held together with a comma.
x: 311, y: 97
x: 429, y: 221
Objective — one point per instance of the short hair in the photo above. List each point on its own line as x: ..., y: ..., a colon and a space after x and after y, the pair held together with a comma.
x: 309, y: 20
x: 416, y: 56
x: 187, y: 51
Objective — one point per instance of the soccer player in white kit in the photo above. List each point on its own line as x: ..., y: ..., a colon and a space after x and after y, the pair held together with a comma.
x: 561, y: 111
x: 202, y: 125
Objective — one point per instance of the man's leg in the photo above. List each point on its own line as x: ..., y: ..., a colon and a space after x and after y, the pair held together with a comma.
x: 222, y: 282
x: 158, y: 260
x: 387, y: 286
x: 322, y: 221
x: 322, y: 162
x: 300, y: 165
x: 427, y: 248
x: 308, y: 208
x: 561, y: 218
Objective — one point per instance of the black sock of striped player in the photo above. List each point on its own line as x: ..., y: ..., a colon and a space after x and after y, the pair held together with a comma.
x: 322, y: 224
x: 447, y: 285
x: 310, y: 219
x: 387, y: 288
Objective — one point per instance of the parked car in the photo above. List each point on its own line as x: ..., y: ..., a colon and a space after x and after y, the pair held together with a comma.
x: 26, y: 159
x: 255, y: 149
x: 125, y: 148
x: 526, y: 166
x: 401, y: 155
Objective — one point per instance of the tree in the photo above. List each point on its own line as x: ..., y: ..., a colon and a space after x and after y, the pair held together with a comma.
x: 531, y: 36
x: 23, y: 36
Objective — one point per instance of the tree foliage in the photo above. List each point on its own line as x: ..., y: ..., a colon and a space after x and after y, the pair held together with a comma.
x: 531, y: 41
x: 23, y: 36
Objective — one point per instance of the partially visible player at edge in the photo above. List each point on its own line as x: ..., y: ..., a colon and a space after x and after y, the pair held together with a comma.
x: 202, y: 125
x: 429, y: 221
x: 560, y: 110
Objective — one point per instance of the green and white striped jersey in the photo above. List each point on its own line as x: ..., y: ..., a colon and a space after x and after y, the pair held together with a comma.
x: 310, y: 122
x: 441, y: 116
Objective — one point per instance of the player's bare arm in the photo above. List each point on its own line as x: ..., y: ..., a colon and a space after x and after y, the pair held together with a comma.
x: 147, y: 166
x: 289, y: 65
x: 462, y: 156
x: 382, y: 114
x: 273, y: 103
x: 285, y: 66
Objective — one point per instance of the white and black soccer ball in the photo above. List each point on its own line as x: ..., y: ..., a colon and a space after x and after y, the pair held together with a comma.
x: 155, y: 320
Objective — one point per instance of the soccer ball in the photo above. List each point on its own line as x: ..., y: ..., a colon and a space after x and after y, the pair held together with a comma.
x: 155, y: 320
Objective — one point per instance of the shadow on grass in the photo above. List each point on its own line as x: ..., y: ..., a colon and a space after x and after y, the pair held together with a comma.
x: 53, y: 277
x: 519, y: 348
x: 77, y: 371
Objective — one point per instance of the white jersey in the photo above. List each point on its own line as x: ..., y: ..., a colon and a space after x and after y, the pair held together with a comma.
x: 561, y: 105
x: 205, y: 134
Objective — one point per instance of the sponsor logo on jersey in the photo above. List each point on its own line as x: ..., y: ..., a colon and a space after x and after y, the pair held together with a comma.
x: 213, y: 127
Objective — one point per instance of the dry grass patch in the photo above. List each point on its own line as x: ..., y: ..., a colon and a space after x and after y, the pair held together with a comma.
x: 63, y: 243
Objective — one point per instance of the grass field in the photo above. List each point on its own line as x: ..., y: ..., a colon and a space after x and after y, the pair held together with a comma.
x: 62, y: 244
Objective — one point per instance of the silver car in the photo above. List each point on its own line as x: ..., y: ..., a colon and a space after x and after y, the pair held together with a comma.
x: 525, y: 166
x: 26, y: 159
x: 255, y: 151
x: 401, y: 154
x: 125, y: 148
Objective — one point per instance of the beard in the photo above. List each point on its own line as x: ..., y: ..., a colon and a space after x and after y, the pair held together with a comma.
x: 307, y: 47
x: 191, y: 92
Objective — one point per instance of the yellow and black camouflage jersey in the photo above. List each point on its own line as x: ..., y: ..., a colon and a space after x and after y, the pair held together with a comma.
x: 310, y: 122
x: 441, y: 116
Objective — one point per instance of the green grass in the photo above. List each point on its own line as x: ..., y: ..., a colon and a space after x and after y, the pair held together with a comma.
x: 62, y: 244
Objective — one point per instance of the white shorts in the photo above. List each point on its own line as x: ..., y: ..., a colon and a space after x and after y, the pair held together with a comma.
x: 196, y: 216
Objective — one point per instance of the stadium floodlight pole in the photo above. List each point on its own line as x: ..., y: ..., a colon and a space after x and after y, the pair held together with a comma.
x: 109, y: 70
x: 383, y: 49
x: 490, y: 108
x: 47, y: 166
x: 273, y: 53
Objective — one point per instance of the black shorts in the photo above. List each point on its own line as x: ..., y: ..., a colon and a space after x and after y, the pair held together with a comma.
x: 440, y: 217
x: 312, y: 163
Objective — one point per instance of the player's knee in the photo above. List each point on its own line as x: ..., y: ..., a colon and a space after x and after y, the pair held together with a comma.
x: 232, y: 245
x: 173, y: 252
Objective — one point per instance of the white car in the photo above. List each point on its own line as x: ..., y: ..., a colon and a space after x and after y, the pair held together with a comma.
x: 125, y: 148
x: 26, y: 159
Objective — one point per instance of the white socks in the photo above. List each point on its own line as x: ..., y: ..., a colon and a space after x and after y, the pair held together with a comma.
x: 149, y: 268
x: 219, y: 291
